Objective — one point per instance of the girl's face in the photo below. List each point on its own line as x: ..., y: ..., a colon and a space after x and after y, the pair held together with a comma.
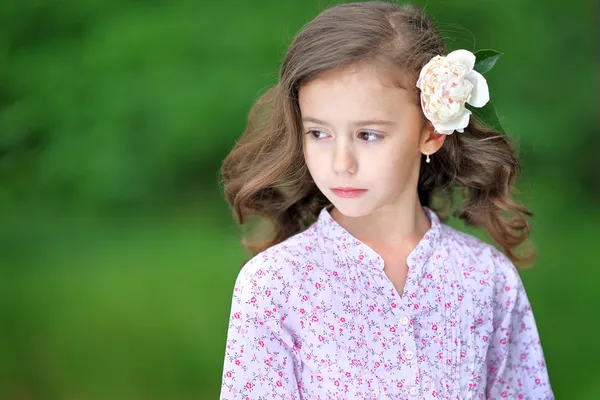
x: 361, y: 134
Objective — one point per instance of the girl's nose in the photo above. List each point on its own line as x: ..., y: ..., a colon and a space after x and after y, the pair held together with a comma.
x: 344, y: 160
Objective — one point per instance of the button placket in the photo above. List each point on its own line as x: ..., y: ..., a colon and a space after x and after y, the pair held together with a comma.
x: 399, y: 309
x: 409, y: 353
x: 409, y: 342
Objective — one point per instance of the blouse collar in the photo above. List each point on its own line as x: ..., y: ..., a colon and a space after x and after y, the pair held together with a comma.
x: 358, y: 253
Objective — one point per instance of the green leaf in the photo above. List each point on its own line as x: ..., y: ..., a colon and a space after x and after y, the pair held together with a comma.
x: 487, y: 115
x: 485, y: 60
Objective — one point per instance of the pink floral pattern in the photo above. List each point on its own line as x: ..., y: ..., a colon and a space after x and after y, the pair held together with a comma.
x: 316, y: 317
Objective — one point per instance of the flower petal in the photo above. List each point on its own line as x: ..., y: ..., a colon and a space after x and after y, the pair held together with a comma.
x: 459, y: 123
x: 465, y: 57
x: 480, y: 94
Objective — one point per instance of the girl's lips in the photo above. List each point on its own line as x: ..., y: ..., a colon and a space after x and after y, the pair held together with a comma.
x: 348, y: 193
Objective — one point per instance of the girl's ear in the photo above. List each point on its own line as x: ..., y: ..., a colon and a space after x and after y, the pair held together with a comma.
x: 431, y: 141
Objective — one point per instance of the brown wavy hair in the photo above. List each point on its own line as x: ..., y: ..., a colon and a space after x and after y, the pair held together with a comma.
x: 265, y: 174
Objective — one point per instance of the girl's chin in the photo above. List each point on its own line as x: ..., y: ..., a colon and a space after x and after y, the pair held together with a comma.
x: 347, y: 209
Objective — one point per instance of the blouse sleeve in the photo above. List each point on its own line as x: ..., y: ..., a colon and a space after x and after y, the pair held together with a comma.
x: 261, y: 356
x: 515, y: 360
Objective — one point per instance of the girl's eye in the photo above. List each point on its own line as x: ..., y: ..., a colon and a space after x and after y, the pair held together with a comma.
x: 317, y: 134
x: 369, y: 136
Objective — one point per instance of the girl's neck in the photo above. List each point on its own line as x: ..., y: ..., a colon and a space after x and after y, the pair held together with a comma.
x: 391, y: 227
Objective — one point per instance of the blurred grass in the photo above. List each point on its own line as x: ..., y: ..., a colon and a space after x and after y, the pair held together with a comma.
x: 137, y: 308
x: 125, y: 311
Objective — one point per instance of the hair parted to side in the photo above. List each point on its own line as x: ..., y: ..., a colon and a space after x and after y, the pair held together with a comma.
x: 265, y: 174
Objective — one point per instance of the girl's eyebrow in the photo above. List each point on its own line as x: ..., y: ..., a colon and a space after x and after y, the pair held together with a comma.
x: 354, y: 123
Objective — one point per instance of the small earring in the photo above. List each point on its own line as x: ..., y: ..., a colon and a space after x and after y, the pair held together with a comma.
x: 427, y: 160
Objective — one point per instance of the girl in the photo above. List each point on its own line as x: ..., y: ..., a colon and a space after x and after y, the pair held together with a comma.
x: 362, y: 291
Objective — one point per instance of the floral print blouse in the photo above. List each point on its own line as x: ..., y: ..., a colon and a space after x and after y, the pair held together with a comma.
x: 316, y: 317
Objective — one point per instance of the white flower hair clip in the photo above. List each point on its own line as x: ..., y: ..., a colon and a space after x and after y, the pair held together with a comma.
x: 453, y: 88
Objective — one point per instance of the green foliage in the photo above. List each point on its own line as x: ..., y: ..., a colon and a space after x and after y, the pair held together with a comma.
x: 487, y: 115
x: 122, y: 103
x: 485, y: 60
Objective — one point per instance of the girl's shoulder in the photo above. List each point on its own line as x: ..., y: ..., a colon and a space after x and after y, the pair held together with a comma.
x: 476, y: 255
x: 276, y: 268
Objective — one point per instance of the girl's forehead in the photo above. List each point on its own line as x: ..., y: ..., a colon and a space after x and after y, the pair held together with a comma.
x: 355, y: 90
x: 366, y: 79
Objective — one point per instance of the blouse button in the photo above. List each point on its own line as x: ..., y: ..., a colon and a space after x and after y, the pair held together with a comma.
x: 404, y: 320
x: 409, y: 355
x: 414, y: 391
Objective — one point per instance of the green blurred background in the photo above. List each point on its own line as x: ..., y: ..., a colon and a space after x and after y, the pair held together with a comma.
x: 118, y: 253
